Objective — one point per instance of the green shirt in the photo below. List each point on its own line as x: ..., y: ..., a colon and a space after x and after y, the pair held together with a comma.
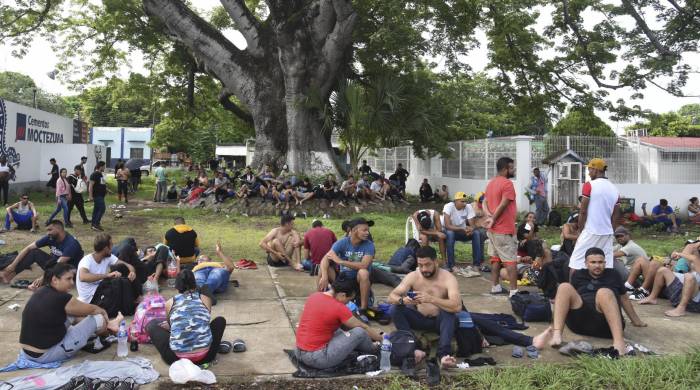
x: 160, y: 174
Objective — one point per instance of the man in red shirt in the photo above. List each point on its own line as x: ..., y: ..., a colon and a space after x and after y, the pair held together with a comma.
x: 499, y: 206
x: 321, y: 341
x: 317, y: 242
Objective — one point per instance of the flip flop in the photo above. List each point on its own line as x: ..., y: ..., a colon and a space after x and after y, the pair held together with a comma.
x: 225, y: 347
x: 21, y: 283
x: 574, y: 348
x: 517, y: 352
x: 532, y: 352
x: 239, y: 346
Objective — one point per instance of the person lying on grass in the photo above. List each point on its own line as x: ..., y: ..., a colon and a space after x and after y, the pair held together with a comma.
x: 590, y: 305
x: 680, y: 289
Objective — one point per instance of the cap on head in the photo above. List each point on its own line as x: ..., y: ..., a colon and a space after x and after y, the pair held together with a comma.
x: 424, y: 219
x: 598, y: 163
x: 460, y: 196
x: 359, y: 221
x: 621, y: 231
x: 480, y: 196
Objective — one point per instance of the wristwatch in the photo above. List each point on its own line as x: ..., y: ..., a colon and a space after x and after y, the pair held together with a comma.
x: 401, y: 301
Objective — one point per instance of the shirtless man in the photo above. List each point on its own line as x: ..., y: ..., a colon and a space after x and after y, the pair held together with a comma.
x: 283, y: 245
x: 427, y: 299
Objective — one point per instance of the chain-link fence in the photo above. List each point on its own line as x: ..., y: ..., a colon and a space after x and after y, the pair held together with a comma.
x: 387, y: 159
x: 476, y: 159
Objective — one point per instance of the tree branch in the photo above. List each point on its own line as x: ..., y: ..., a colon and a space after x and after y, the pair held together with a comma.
x: 324, y: 21
x: 41, y: 16
x: 225, y: 100
x: 246, y: 23
x: 338, y: 42
x: 660, y: 48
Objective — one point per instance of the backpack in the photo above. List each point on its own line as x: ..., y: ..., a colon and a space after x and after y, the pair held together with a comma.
x: 115, y: 295
x: 403, y: 346
x: 151, y: 308
x: 531, y: 307
x: 554, y: 219
x: 469, y: 339
x: 554, y: 273
x: 80, y: 185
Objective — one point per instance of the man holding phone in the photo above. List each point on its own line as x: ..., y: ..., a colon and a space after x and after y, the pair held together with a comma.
x: 428, y: 299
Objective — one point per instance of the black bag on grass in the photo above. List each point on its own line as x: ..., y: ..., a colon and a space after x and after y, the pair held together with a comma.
x: 531, y: 307
x: 403, y: 346
x: 469, y: 339
x: 7, y: 259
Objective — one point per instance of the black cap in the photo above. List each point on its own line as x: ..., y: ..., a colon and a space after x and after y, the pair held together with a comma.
x: 424, y: 219
x: 359, y: 221
x: 83, y: 158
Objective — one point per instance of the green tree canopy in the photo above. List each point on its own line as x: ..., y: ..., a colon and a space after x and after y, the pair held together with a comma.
x: 584, y: 122
x: 20, y: 88
x: 682, y: 123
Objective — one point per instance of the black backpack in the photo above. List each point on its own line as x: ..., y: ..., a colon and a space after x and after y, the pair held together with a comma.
x: 115, y: 295
x: 531, y: 307
x: 403, y: 346
x: 554, y: 219
x: 554, y: 273
x: 469, y: 339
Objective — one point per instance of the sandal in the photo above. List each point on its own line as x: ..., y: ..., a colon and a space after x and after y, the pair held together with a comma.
x: 21, y: 283
x: 225, y: 347
x: 239, y: 346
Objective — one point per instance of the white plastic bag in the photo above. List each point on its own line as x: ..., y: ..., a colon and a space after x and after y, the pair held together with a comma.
x: 183, y: 371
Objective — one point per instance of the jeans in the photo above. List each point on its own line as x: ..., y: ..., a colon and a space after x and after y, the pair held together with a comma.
x: 78, y: 202
x: 340, y: 346
x: 490, y: 327
x: 541, y: 209
x: 215, y: 278
x: 445, y: 323
x: 23, y: 221
x: 98, y: 210
x: 160, y: 338
x: 477, y: 238
x: 75, y: 339
x: 41, y: 258
x: 62, y: 205
x: 161, y: 190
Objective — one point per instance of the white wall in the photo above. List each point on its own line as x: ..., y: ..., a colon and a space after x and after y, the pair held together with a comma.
x: 676, y: 194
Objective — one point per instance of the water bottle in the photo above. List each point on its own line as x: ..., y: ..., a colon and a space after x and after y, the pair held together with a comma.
x: 172, y: 272
x: 122, y: 347
x: 385, y: 362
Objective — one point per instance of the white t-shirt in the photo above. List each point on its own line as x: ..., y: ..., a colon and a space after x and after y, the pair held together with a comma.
x: 603, y: 196
x: 87, y: 290
x: 4, y: 168
x: 375, y: 186
x: 458, y: 218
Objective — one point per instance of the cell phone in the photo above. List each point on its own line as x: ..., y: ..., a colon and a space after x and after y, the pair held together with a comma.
x: 411, y: 294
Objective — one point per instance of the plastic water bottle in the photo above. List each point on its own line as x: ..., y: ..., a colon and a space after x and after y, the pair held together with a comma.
x: 122, y: 347
x: 385, y: 362
x: 172, y: 272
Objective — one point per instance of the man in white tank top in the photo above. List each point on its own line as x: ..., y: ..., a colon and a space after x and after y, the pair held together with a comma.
x: 598, y: 217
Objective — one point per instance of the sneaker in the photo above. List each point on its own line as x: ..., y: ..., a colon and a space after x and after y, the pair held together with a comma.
x: 497, y: 289
x: 95, y: 228
x: 639, y: 294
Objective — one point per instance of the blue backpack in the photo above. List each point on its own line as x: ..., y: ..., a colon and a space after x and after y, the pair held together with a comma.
x: 531, y: 307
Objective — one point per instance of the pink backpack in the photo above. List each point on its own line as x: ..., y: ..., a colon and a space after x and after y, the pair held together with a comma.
x: 151, y: 308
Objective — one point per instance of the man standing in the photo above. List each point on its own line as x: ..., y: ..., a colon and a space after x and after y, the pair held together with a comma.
x: 97, y: 190
x: 365, y: 169
x: 83, y: 161
x: 62, y: 248
x: 354, y: 255
x: 590, y: 305
x: 435, y: 301
x: 283, y: 245
x: 54, y: 173
x: 317, y: 242
x: 538, y: 186
x: 77, y: 187
x: 5, y: 173
x: 458, y: 222
x: 402, y: 175
x: 500, y: 208
x: 598, y: 216
x: 23, y: 213
x: 161, y: 183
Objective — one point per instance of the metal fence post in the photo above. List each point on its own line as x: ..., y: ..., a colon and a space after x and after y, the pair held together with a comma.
x: 460, y: 160
x: 486, y: 159
x: 639, y: 162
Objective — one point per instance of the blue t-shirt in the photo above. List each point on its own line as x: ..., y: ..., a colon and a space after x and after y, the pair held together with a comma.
x: 346, y: 251
x: 662, y: 210
x: 69, y: 247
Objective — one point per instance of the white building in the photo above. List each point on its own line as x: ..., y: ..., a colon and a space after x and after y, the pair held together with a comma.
x: 123, y: 143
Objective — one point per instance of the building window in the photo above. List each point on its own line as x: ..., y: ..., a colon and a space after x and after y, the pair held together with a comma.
x: 136, y: 153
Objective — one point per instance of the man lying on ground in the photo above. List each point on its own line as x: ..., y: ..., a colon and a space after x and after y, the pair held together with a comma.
x: 631, y: 261
x: 213, y: 274
x: 63, y: 248
x: 283, y: 245
x: 321, y: 341
x: 590, y: 305
x: 680, y: 289
x: 434, y: 304
x: 49, y: 333
x: 23, y: 214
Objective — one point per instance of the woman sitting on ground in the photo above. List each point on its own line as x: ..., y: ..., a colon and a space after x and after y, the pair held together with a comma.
x: 55, y: 325
x: 187, y: 334
x: 528, y: 243
x: 694, y: 210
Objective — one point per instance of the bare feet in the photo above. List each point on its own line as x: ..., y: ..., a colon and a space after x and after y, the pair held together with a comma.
x: 6, y: 276
x: 448, y: 361
x: 555, y: 342
x: 648, y: 301
x: 298, y: 267
x: 677, y: 312
x: 113, y: 324
x: 419, y: 355
x: 541, y: 340
x: 621, y: 348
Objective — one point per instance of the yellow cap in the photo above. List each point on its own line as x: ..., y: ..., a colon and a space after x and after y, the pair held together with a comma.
x: 597, y: 163
x: 460, y: 196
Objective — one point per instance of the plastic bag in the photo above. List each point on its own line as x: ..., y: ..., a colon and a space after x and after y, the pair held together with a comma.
x: 151, y: 286
x: 183, y: 371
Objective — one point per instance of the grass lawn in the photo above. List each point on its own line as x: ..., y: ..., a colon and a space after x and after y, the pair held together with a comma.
x: 240, y: 237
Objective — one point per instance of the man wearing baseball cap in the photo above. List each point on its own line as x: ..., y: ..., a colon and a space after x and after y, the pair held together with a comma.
x: 458, y: 222
x: 598, y: 216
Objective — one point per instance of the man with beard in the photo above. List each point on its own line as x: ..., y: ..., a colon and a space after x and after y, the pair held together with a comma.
x: 64, y: 248
x: 428, y: 299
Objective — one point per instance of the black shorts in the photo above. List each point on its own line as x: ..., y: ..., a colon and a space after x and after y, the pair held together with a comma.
x: 273, y: 263
x: 588, y: 321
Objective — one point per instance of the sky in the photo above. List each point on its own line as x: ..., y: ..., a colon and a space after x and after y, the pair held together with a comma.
x: 41, y: 59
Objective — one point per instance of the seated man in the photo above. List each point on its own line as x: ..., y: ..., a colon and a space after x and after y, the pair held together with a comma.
x: 435, y: 301
x: 426, y: 191
x: 22, y: 213
x: 661, y: 213
x: 63, y: 248
x: 95, y: 267
x: 680, y: 289
x: 213, y: 274
x: 317, y: 242
x: 353, y: 254
x: 220, y: 183
x: 459, y: 225
x: 182, y: 241
x: 283, y: 245
x: 427, y: 227
x: 320, y: 341
x: 631, y: 261
x: 590, y: 305
x: 442, y: 194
